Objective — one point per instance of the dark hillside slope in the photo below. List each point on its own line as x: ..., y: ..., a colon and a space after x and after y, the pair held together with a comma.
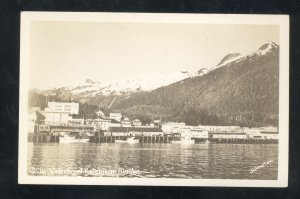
x: 243, y: 92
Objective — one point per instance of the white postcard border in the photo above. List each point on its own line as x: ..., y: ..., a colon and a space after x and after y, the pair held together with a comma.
x: 281, y: 20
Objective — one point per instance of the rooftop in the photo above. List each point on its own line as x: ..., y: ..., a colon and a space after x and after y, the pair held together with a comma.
x: 135, y: 129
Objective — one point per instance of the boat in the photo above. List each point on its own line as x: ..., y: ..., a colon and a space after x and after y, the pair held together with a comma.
x: 183, y: 140
x: 129, y: 140
x: 70, y: 139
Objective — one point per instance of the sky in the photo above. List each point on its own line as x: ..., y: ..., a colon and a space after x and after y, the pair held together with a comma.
x: 67, y: 53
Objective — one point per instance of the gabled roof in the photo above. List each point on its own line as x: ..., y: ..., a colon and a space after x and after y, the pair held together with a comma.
x: 115, y: 121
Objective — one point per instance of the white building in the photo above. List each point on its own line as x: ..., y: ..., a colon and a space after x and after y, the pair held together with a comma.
x: 218, y: 128
x: 60, y: 112
x: 76, y: 121
x: 136, y: 122
x: 199, y: 134
x: 56, y: 117
x: 262, y: 133
x: 194, y: 133
x: 115, y: 123
x: 173, y: 127
x: 102, y: 124
x: 115, y: 116
x: 63, y: 107
x: 125, y: 122
x: 100, y: 114
x: 253, y: 133
x: 269, y: 132
x: 228, y: 135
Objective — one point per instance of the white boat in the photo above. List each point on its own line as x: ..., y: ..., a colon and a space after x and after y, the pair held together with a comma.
x: 129, y: 140
x: 70, y: 139
x: 183, y: 140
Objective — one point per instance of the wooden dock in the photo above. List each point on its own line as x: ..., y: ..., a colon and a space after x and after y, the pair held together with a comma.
x: 40, y: 138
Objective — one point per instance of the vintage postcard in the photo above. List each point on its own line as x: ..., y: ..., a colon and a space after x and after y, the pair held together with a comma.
x: 154, y: 99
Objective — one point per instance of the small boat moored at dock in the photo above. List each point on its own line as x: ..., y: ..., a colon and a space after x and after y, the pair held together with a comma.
x: 70, y: 139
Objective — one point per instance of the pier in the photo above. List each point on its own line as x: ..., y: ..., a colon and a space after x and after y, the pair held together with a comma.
x: 41, y: 138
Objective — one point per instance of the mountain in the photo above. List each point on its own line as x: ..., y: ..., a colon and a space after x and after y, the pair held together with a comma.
x: 229, y: 58
x: 147, y: 82
x: 243, y: 91
x: 239, y: 90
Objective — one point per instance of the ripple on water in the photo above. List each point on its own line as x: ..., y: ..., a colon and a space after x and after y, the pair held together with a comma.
x: 222, y: 161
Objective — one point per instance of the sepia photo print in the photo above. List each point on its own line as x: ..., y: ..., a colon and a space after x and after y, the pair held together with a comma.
x: 154, y: 99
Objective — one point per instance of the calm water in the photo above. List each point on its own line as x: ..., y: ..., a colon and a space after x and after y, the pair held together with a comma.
x: 223, y: 161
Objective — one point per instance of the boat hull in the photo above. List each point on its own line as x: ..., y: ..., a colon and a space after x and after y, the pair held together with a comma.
x: 129, y: 141
x: 72, y: 140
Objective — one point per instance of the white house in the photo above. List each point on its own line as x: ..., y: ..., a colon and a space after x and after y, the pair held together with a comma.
x: 125, y: 122
x: 136, y: 122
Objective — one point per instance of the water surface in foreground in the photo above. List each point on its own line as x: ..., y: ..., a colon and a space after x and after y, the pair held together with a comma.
x: 208, y: 161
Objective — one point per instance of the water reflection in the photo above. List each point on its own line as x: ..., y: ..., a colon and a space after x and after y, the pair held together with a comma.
x: 223, y: 161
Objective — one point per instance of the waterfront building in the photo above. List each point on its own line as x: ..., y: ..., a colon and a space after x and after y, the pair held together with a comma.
x: 115, y: 116
x: 35, y: 118
x: 43, y: 128
x: 136, y: 122
x: 262, y: 133
x: 125, y: 122
x: 115, y: 123
x: 199, y: 134
x: 63, y: 107
x: 56, y: 117
x: 99, y: 124
x: 102, y: 124
x: 269, y: 132
x: 227, y: 135
x: 60, y: 112
x: 76, y: 121
x: 157, y: 123
x: 194, y: 133
x: 173, y: 127
x: 253, y: 133
x: 100, y: 114
x: 135, y: 131
x: 218, y: 128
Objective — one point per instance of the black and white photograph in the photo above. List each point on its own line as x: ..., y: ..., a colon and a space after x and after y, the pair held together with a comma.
x: 154, y: 99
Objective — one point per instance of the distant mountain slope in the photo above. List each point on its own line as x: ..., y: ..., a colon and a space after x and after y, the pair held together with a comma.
x: 244, y: 91
x: 127, y: 85
x: 240, y: 90
x: 228, y: 58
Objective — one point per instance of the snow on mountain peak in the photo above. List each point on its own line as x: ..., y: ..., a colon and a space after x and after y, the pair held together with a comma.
x: 267, y: 47
x: 146, y: 82
x: 89, y: 81
x: 229, y: 58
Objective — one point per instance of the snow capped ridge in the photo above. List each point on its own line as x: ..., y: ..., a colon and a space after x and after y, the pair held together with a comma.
x: 227, y: 59
x: 152, y: 81
x: 266, y: 48
x: 146, y: 82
